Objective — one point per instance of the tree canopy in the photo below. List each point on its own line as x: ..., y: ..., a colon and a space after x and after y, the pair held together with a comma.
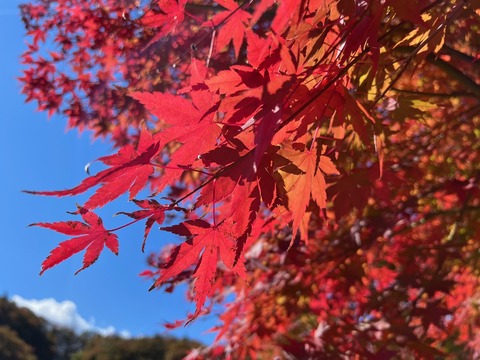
x: 319, y: 158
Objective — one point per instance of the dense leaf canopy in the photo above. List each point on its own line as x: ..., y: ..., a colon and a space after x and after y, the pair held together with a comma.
x: 321, y: 158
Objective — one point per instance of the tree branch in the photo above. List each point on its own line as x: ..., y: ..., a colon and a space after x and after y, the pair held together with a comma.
x: 432, y: 94
x: 455, y: 74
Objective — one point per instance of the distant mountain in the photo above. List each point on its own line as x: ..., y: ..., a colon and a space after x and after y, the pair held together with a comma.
x: 25, y: 336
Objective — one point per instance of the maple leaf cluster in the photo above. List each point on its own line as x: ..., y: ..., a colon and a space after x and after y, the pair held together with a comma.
x: 320, y: 158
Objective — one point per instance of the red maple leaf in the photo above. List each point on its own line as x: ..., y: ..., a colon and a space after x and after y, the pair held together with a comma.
x: 129, y: 170
x: 185, y: 120
x: 261, y: 52
x: 154, y: 211
x: 189, y: 125
x: 233, y: 22
x: 225, y: 82
x: 166, y: 21
x: 203, y: 246
x: 239, y: 187
x: 92, y: 236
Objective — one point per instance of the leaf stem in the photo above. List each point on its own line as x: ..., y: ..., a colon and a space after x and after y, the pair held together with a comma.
x: 188, y: 168
x: 125, y: 225
x: 213, y: 203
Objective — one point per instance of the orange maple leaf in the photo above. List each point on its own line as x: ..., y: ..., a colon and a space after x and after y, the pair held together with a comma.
x: 303, y: 179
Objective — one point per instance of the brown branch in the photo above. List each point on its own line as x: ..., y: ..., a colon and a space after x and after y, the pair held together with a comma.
x: 460, y: 56
x: 455, y: 74
x: 432, y: 94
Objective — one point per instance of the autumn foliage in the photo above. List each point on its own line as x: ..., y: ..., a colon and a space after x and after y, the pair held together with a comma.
x: 321, y: 161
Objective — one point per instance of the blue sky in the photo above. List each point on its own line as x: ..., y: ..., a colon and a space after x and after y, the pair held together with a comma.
x: 39, y: 154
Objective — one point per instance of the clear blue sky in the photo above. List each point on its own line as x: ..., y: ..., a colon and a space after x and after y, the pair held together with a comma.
x: 39, y: 154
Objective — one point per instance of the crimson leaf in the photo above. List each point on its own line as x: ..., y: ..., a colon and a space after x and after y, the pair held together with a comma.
x: 152, y: 210
x: 92, y: 236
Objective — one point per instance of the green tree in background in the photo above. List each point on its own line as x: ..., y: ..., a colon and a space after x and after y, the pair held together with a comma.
x: 29, y: 328
x: 24, y: 336
x: 116, y: 348
x: 13, y: 347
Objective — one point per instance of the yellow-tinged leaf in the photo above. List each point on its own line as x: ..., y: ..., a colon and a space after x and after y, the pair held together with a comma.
x: 363, y: 77
x: 379, y: 141
x: 423, y: 105
x: 426, y: 39
x: 327, y: 166
x: 303, y: 179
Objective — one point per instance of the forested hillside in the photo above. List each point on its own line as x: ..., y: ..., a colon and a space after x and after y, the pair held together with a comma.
x: 25, y: 336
